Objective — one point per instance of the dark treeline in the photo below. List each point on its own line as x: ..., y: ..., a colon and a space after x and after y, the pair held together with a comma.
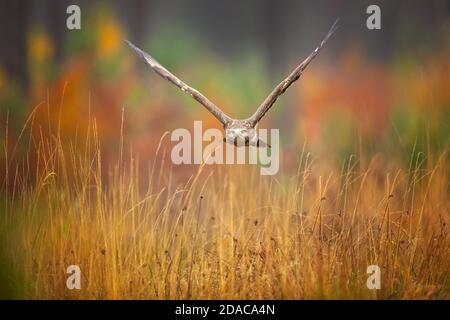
x: 282, y: 30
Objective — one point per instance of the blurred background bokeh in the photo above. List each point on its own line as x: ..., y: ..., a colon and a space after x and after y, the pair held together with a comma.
x: 369, y: 91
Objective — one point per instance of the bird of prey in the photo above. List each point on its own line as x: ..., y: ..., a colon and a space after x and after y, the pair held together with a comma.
x: 240, y: 132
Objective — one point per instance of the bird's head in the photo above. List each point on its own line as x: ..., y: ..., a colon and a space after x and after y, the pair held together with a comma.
x: 241, y: 136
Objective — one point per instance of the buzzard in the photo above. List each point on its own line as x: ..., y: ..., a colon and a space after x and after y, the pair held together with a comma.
x: 239, y: 132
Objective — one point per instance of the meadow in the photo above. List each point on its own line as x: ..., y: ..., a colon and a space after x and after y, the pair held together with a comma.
x: 227, y: 232
x: 87, y: 179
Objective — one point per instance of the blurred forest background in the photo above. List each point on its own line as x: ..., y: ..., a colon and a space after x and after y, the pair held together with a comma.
x: 370, y: 89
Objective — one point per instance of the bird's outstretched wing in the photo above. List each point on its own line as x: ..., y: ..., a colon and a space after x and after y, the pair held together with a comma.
x: 294, y: 76
x: 163, y: 72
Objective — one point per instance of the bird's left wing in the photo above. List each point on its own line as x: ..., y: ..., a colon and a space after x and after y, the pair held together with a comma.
x: 294, y: 76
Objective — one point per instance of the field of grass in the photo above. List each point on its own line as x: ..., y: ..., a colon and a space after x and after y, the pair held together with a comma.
x: 226, y: 232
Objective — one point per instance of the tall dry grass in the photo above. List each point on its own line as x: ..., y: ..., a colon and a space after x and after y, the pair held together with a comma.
x: 225, y: 233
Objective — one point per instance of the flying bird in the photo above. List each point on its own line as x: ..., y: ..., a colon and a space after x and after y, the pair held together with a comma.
x: 239, y: 132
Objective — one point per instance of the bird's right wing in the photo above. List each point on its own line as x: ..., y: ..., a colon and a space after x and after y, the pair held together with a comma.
x: 163, y: 72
